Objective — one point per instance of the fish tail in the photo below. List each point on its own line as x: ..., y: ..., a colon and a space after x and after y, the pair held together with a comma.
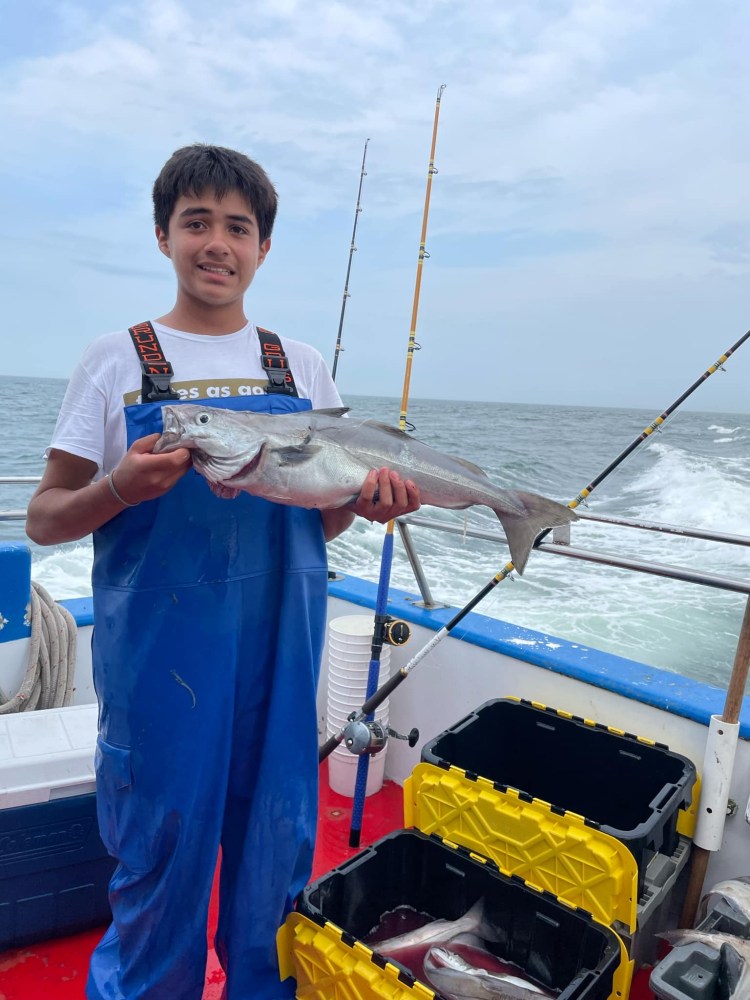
x: 521, y: 527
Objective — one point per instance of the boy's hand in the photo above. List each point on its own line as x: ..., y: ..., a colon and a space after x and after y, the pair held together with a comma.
x: 68, y: 504
x: 385, y: 495
x: 141, y: 475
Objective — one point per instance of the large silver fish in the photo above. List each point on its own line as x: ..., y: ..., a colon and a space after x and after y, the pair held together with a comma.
x: 316, y: 459
x: 472, y: 922
x: 454, y: 977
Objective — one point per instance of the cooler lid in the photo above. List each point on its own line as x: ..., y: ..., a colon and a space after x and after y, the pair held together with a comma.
x: 47, y: 754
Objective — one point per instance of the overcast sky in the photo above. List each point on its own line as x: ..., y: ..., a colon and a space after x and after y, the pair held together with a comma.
x: 589, y: 228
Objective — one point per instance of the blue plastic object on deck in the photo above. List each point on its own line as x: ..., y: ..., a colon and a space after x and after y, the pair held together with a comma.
x: 54, y: 871
x: 15, y: 590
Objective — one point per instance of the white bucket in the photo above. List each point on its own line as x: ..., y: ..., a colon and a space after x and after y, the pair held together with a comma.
x: 349, y: 654
x: 342, y: 772
x: 355, y: 643
x: 348, y: 687
x: 353, y: 656
x: 350, y: 665
x: 341, y: 706
x: 354, y: 627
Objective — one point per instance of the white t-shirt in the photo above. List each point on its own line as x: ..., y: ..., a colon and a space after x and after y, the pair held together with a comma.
x: 91, y: 423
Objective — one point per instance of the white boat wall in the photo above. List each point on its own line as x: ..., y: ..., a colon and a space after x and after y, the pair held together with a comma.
x: 48, y: 755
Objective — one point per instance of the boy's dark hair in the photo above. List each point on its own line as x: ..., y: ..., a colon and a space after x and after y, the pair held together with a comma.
x: 194, y: 169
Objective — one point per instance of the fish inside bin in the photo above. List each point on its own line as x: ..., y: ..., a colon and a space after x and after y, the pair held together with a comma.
x: 452, y: 956
x: 461, y: 927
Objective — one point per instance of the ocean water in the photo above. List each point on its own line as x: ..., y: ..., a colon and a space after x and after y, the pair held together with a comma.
x: 695, y: 472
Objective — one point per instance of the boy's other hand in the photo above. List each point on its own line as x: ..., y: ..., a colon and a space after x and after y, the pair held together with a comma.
x: 385, y: 495
x: 141, y: 475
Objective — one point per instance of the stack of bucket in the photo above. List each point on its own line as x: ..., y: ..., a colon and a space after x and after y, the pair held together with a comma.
x: 349, y: 654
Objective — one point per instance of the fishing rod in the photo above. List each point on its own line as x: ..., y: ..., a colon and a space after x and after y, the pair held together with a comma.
x: 352, y: 248
x: 412, y: 344
x: 386, y: 558
x: 353, y: 732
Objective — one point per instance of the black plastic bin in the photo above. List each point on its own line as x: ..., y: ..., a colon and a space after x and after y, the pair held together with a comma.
x: 561, y: 947
x: 628, y: 788
x: 54, y: 871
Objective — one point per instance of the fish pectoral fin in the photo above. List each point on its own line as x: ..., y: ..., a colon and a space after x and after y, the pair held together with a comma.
x: 296, y: 454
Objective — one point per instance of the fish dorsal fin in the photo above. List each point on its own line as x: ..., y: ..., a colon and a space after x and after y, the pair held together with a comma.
x: 469, y: 466
x: 387, y: 429
x: 332, y: 411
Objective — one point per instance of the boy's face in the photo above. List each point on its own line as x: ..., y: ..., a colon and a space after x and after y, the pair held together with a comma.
x: 215, y: 247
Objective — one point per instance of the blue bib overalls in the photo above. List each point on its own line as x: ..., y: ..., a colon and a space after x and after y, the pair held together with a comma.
x: 209, y: 625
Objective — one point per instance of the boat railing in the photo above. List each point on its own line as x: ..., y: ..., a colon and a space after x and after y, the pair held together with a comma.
x: 17, y: 515
x: 558, y: 545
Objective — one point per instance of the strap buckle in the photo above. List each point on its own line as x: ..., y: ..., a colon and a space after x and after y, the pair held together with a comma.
x: 275, y: 364
x: 278, y: 376
x: 157, y: 380
x: 156, y: 371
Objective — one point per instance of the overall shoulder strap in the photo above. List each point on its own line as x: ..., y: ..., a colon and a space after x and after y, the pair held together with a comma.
x: 275, y: 364
x: 156, y: 371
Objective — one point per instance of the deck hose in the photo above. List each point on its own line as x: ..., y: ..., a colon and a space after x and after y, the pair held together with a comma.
x: 50, y: 668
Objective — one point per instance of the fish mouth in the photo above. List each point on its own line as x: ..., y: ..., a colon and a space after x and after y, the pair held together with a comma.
x: 169, y: 441
x: 172, y: 432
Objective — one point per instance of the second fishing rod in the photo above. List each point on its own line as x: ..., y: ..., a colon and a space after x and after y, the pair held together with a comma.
x: 372, y: 703
x: 387, y: 553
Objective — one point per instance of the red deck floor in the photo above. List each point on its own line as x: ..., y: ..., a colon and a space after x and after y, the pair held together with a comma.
x: 56, y: 970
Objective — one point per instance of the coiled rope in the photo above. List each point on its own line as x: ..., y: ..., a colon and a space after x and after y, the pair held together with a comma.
x: 50, y: 669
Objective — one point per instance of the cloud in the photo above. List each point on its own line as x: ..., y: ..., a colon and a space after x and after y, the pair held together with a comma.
x: 590, y: 153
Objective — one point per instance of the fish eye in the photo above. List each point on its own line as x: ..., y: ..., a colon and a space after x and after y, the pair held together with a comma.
x: 203, y: 418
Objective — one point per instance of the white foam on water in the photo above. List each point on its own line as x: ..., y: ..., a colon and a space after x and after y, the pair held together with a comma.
x: 699, y: 491
x: 723, y: 430
x: 66, y: 571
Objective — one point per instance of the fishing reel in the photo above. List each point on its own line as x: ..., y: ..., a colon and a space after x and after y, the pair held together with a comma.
x: 362, y: 738
x: 396, y: 632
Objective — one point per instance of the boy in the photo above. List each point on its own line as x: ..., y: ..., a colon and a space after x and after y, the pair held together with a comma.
x: 209, y: 614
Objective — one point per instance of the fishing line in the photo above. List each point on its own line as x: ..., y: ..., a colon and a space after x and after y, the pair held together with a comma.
x: 360, y: 788
x: 398, y: 678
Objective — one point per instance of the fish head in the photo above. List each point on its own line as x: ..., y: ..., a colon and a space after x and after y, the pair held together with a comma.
x: 224, y: 443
